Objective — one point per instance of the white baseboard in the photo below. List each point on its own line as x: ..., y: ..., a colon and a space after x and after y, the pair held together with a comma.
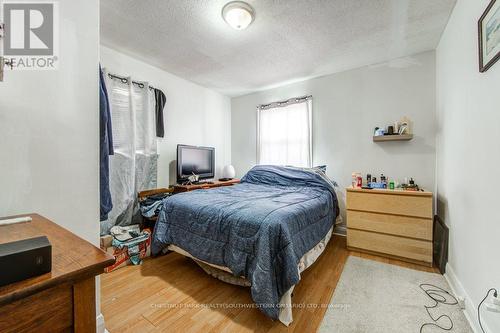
x: 101, y: 327
x: 470, y: 311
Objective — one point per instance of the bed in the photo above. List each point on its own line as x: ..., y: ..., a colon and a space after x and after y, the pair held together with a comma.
x: 264, y: 231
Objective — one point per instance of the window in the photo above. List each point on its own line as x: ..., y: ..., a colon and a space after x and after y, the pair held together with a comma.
x: 132, y: 113
x: 284, y: 133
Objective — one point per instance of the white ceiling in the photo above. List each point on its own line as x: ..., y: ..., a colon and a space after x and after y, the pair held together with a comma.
x: 290, y: 40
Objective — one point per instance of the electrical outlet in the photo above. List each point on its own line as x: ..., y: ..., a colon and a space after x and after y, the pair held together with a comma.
x: 461, y: 302
x: 493, y: 303
x: 495, y: 300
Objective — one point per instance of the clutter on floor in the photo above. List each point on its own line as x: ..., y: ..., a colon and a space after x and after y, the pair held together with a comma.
x: 129, y: 245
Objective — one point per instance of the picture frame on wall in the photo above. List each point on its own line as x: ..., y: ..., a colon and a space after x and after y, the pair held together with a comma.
x: 489, y: 36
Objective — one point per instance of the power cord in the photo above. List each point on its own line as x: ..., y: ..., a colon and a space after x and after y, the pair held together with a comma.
x: 495, y: 293
x: 439, y: 296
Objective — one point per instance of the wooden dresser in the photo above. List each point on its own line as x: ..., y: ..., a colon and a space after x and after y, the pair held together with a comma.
x: 393, y: 223
x: 62, y: 300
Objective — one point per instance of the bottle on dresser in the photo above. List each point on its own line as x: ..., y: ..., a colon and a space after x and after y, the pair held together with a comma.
x: 357, y: 180
x: 383, y: 180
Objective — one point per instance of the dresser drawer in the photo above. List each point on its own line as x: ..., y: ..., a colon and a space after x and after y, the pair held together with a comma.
x: 407, y: 204
x: 418, y: 250
x: 48, y: 311
x: 391, y: 224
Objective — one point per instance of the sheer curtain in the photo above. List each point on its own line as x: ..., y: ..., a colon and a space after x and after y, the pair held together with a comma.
x: 284, y: 133
x: 133, y: 167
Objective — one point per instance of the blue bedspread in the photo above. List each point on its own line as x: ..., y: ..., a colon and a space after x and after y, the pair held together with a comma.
x: 259, y: 228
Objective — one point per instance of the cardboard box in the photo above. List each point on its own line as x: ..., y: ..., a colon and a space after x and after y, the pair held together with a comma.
x: 121, y: 255
x: 106, y: 242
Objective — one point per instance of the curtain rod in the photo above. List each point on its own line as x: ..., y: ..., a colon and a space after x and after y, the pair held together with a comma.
x: 125, y: 80
x: 284, y: 103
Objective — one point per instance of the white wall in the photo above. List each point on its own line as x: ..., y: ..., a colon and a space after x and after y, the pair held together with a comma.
x: 193, y: 114
x: 49, y: 130
x: 468, y: 107
x: 347, y: 107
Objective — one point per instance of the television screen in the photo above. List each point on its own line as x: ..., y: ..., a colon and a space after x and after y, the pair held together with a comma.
x: 195, y: 160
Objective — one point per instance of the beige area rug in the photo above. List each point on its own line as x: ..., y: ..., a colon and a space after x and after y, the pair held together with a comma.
x: 377, y: 297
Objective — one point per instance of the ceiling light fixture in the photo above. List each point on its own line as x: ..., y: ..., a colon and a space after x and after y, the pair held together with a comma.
x: 238, y: 14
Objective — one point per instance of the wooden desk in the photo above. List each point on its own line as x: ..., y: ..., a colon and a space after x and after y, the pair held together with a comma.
x: 187, y: 188
x: 62, y: 300
x: 392, y: 223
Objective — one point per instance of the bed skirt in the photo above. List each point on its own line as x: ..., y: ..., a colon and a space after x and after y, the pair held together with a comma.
x: 224, y: 274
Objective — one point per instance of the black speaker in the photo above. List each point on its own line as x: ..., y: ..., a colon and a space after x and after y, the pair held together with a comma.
x: 23, y: 259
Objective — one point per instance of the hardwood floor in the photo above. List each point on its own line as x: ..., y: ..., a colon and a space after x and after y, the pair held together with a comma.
x: 172, y: 294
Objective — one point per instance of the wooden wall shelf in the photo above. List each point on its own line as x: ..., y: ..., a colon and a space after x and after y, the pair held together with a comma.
x: 403, y: 137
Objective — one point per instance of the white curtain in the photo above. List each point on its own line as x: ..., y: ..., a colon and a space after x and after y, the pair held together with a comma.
x: 284, y: 134
x: 133, y: 167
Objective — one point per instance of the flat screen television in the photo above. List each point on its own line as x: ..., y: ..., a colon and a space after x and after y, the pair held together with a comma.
x: 195, y: 160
